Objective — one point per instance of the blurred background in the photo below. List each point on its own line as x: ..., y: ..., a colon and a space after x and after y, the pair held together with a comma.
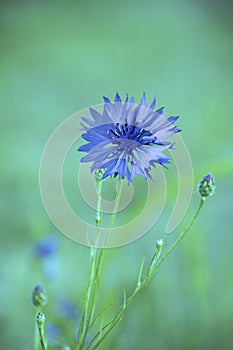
x: 58, y: 57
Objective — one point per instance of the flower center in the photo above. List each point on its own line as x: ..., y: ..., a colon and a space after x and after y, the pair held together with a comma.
x: 126, y: 145
x: 129, y: 137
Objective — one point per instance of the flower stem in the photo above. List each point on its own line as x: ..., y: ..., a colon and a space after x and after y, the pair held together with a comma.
x: 40, y: 321
x: 92, y: 292
x: 115, y: 209
x: 101, y: 255
x: 179, y: 239
x: 106, y: 329
x: 98, y: 217
x: 36, y: 342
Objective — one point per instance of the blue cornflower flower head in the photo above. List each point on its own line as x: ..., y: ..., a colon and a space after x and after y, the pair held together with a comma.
x: 46, y: 250
x: 127, y: 139
x: 47, y: 246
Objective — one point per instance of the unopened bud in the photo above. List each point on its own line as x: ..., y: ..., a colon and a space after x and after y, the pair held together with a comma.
x: 159, y: 243
x: 98, y: 174
x: 206, y: 186
x: 39, y: 296
x: 98, y: 220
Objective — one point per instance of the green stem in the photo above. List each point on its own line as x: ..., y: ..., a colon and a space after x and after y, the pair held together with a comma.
x: 83, y: 328
x: 115, y: 209
x: 84, y: 320
x: 120, y: 313
x: 101, y: 256
x: 98, y: 217
x: 37, y: 339
x: 95, y: 270
x: 179, y: 239
x: 40, y: 320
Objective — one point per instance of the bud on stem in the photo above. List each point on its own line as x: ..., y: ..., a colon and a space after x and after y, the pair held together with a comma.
x: 206, y: 186
x: 39, y: 296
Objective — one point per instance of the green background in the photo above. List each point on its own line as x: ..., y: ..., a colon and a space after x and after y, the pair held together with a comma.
x: 58, y: 57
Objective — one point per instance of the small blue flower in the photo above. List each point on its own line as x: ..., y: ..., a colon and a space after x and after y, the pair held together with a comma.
x: 127, y: 139
x: 46, y: 250
x: 47, y: 246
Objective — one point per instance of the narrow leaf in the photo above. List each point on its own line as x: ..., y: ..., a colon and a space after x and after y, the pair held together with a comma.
x: 139, y: 282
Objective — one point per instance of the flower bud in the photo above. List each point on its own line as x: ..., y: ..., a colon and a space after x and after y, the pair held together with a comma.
x: 159, y: 243
x: 98, y: 219
x: 206, y: 186
x: 98, y: 174
x: 39, y: 296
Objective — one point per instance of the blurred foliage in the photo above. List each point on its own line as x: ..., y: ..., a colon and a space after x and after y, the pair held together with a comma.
x: 58, y: 57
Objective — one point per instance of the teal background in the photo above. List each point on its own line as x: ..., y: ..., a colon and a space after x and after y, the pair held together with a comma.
x: 60, y: 57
